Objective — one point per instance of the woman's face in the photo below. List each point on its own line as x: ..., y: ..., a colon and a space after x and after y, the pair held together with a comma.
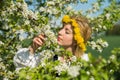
x: 65, y: 36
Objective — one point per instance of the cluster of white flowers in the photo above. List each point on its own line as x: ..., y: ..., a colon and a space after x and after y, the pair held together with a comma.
x: 50, y: 36
x: 88, y: 73
x: 49, y: 8
x: 108, y: 16
x: 73, y: 59
x: 1, y: 43
x: 45, y: 55
x: 52, y: 3
x: 74, y: 70
x: 99, y: 28
x: 9, y: 10
x: 50, y: 39
x: 25, y: 11
x: 112, y: 57
x: 99, y: 45
x: 52, y: 10
x: 2, y: 66
x: 95, y: 7
x: 27, y: 22
x: 83, y: 1
x: 5, y: 15
x: 92, y: 78
x: 17, y: 9
x: 61, y: 67
x: 69, y: 8
x: 21, y: 34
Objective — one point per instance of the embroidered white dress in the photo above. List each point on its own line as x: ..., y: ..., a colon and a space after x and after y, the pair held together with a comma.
x: 23, y: 59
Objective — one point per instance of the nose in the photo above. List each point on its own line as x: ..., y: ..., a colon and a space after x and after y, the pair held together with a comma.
x: 60, y: 32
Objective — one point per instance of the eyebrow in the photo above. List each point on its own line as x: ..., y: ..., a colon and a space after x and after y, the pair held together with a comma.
x: 70, y: 30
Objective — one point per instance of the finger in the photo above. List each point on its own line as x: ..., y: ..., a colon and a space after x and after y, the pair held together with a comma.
x: 38, y: 42
x: 42, y: 37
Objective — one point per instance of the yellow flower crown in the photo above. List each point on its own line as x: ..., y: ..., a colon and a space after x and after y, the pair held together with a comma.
x: 77, y: 34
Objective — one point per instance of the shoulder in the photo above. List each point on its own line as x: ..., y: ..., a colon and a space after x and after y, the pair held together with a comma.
x: 85, y: 57
x: 23, y: 50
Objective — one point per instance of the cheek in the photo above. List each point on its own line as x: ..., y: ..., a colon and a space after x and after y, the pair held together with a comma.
x: 68, y: 40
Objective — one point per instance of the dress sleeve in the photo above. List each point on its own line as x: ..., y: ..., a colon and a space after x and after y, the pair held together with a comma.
x: 23, y: 58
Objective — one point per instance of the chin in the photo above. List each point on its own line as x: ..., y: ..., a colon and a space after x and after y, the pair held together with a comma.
x: 59, y: 43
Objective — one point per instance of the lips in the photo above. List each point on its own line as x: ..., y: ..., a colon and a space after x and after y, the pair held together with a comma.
x: 58, y: 38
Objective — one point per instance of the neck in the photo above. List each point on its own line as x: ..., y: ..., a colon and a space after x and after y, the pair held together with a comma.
x: 71, y: 49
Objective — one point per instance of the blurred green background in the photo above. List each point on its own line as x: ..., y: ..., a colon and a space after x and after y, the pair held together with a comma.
x: 113, y: 41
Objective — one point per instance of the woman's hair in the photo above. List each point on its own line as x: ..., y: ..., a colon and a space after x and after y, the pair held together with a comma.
x: 85, y: 31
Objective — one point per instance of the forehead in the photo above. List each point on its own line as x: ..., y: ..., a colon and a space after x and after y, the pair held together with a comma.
x: 67, y: 26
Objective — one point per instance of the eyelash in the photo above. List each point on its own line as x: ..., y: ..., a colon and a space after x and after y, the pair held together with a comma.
x: 67, y: 32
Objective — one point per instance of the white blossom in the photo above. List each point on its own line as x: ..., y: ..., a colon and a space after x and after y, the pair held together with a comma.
x: 1, y: 59
x: 46, y: 54
x: 73, y: 71
x: 6, y: 26
x: 55, y: 11
x: 85, y: 57
x: 104, y: 44
x: 2, y: 66
x: 25, y: 11
x: 18, y: 47
x: 60, y: 5
x: 3, y: 13
x: 93, y: 45
x: 42, y: 9
x: 27, y: 22
x: 32, y: 15
x: 49, y: 10
x: 1, y: 43
x: 73, y: 58
x: 67, y: 0
x: 68, y: 8
x: 88, y: 73
x: 43, y: 63
x: 104, y: 27
x: 108, y: 16
x: 111, y: 71
x: 98, y: 45
x: 112, y: 57
x: 50, y: 3
x: 21, y: 34
x: 99, y: 41
x: 108, y: 61
x: 99, y: 26
x: 96, y: 29
x: 61, y: 67
x: 5, y: 78
x: 95, y: 6
x: 92, y: 78
x: 83, y: 0
x: 99, y: 48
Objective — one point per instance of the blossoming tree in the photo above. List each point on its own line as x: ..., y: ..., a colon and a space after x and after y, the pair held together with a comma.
x: 19, y: 24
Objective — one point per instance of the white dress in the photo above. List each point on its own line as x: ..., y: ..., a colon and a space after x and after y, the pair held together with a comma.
x: 23, y: 59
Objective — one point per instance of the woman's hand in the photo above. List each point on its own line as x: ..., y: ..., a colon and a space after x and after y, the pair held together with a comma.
x: 37, y: 42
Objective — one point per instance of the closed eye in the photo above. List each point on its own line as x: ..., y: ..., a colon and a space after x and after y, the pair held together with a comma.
x: 67, y: 31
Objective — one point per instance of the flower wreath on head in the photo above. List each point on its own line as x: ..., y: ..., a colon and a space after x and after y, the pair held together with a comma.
x: 77, y: 35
